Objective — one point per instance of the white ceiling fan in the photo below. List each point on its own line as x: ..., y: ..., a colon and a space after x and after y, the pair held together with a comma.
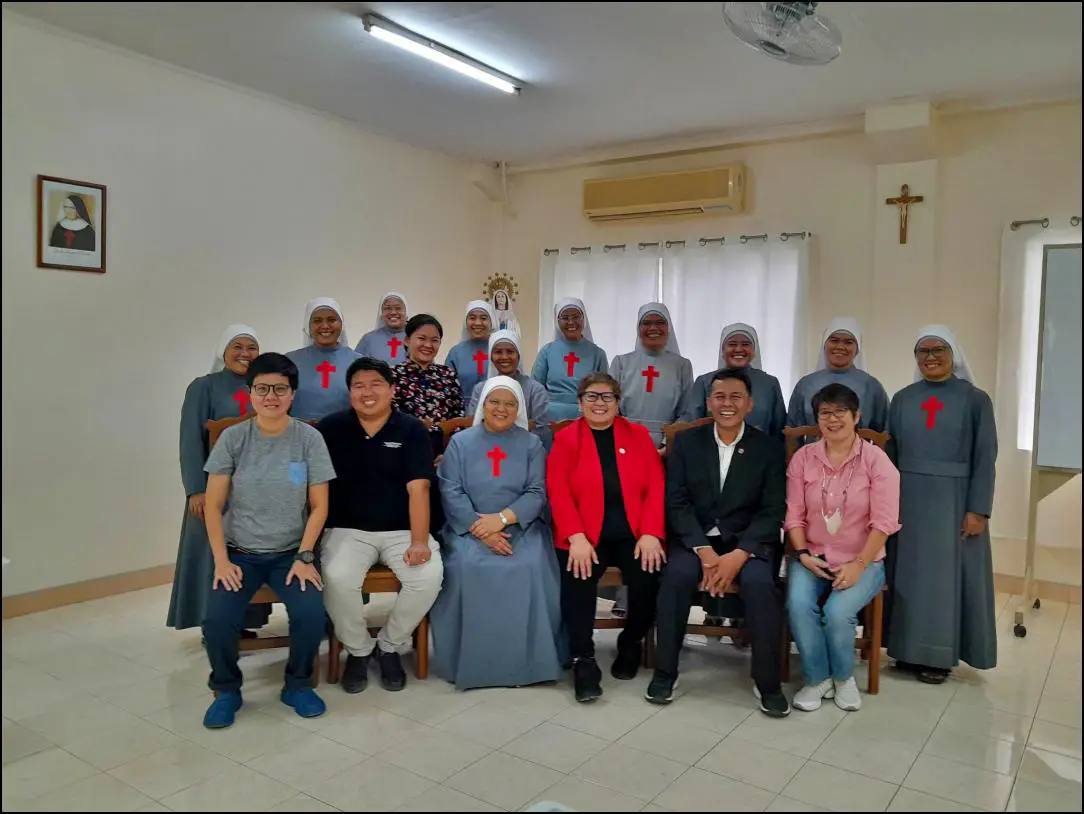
x: 791, y: 32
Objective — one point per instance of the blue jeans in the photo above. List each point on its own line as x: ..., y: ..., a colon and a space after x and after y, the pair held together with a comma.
x: 824, y: 629
x: 226, y: 614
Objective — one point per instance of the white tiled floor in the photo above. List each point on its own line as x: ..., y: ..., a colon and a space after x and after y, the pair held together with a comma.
x: 103, y: 706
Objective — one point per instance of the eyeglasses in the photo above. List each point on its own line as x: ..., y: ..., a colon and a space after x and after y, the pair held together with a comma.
x: 933, y: 353
x: 606, y: 398
x: 279, y: 390
x: 838, y: 413
x: 654, y: 323
x: 568, y: 319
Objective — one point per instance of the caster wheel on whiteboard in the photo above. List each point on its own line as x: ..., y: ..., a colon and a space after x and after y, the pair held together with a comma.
x: 1019, y: 631
x: 1036, y: 605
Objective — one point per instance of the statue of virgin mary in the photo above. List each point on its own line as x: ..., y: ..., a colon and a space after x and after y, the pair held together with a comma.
x: 506, y: 318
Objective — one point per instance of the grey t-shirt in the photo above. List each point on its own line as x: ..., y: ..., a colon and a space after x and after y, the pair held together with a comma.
x: 267, y: 506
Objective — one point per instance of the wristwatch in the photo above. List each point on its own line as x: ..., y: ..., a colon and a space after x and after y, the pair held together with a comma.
x: 307, y: 557
x: 502, y: 518
x: 799, y: 552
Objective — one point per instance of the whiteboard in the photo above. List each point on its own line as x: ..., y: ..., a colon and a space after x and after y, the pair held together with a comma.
x: 1058, y: 405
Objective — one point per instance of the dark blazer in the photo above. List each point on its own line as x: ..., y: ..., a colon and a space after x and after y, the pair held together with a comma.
x: 750, y: 508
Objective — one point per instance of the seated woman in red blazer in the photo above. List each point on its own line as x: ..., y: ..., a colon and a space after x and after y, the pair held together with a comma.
x: 606, y: 488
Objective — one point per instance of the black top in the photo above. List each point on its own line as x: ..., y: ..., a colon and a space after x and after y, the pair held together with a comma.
x: 369, y: 492
x: 615, y: 523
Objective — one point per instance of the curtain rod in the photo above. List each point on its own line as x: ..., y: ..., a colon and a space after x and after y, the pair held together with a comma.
x: 1074, y: 221
x: 704, y: 241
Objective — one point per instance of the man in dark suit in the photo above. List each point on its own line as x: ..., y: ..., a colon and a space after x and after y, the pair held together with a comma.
x: 726, y: 494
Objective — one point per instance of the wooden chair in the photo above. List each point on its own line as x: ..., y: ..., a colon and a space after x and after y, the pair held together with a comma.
x: 265, y: 595
x: 611, y: 578
x: 381, y: 580
x: 869, y: 643
x: 453, y: 425
x: 670, y: 431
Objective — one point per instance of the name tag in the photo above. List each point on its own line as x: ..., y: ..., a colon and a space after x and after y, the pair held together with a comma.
x: 299, y: 473
x: 392, y: 444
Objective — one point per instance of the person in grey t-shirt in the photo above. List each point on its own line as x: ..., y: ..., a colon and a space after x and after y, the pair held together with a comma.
x: 266, y: 504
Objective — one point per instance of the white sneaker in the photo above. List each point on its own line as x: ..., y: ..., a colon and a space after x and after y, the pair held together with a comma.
x: 809, y: 697
x: 847, y: 696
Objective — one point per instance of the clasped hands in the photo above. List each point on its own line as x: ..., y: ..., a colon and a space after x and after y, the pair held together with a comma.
x: 720, y: 570
x: 489, y: 530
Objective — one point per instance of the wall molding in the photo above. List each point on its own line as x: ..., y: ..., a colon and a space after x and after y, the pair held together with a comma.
x: 76, y: 592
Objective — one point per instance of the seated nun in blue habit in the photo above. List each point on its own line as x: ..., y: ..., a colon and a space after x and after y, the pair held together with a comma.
x: 497, y: 620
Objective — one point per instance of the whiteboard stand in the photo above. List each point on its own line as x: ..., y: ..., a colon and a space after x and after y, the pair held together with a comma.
x: 1046, y: 478
x: 1044, y: 482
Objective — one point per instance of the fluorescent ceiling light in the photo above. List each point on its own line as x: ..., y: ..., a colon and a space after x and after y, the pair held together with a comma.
x: 441, y: 54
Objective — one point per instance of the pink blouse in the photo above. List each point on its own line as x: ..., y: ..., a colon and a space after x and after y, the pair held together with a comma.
x: 866, y: 488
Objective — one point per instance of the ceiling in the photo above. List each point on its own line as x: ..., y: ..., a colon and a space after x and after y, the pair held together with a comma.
x: 598, y: 75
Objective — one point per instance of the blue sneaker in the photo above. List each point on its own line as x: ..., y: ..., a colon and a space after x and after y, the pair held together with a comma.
x: 222, y: 710
x: 305, y: 702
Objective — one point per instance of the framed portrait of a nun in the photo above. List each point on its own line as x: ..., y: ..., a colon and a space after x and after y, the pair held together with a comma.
x: 71, y: 224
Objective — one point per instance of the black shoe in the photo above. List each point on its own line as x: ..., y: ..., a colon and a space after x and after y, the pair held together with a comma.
x: 587, y: 679
x: 627, y: 663
x: 661, y: 689
x: 355, y: 674
x: 249, y: 634
x: 907, y: 667
x: 773, y: 704
x: 932, y: 675
x: 392, y: 674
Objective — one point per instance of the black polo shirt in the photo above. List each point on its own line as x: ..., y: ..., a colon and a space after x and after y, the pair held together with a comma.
x: 369, y: 490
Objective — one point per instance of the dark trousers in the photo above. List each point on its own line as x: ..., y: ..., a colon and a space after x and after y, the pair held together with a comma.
x: 226, y: 613
x: 760, y: 596
x: 578, y: 598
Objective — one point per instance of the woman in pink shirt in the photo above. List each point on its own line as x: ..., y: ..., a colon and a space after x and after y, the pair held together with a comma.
x: 843, y: 500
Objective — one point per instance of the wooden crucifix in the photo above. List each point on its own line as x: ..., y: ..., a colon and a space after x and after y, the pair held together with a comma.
x: 904, y: 203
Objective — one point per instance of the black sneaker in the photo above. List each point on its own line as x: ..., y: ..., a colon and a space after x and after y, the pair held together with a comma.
x: 392, y: 674
x: 587, y: 679
x: 661, y: 689
x: 773, y: 704
x: 355, y: 676
x: 627, y: 663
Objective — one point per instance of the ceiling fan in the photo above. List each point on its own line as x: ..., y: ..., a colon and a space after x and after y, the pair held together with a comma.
x: 790, y: 32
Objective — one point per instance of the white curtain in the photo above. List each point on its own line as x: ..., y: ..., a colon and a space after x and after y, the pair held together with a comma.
x: 761, y: 282
x: 613, y: 283
x: 1017, y: 360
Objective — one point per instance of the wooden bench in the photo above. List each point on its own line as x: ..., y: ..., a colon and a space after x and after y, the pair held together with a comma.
x: 380, y: 580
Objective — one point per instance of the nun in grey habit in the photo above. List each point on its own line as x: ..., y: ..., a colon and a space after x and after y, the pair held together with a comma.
x: 497, y: 621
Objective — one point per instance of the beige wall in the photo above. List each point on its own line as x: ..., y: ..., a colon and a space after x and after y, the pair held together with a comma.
x: 223, y: 207
x: 994, y: 167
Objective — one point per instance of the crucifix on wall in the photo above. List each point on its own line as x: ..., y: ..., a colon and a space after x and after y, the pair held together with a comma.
x: 904, y: 202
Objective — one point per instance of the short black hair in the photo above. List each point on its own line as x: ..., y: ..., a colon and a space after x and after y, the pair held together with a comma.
x: 728, y: 373
x: 368, y: 363
x: 420, y: 321
x: 835, y: 393
x: 598, y: 377
x: 268, y: 363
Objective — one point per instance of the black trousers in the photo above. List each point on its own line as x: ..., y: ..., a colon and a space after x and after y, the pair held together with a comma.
x: 760, y: 595
x: 578, y: 598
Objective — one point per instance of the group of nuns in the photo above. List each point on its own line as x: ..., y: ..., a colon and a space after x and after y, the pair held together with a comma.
x: 657, y: 387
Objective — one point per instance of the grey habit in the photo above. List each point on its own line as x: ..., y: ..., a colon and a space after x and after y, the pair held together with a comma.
x: 497, y: 621
x: 941, y: 608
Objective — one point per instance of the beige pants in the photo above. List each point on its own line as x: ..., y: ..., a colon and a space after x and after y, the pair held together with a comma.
x: 346, y: 555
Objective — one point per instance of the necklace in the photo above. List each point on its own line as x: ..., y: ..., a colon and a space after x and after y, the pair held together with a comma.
x: 834, y: 522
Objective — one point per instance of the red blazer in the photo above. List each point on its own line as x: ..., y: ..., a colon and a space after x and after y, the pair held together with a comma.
x: 575, y: 489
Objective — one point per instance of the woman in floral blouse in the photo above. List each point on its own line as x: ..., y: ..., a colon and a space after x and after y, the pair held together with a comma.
x: 422, y: 387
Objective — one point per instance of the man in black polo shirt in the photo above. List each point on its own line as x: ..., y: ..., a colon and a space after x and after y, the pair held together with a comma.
x: 379, y: 512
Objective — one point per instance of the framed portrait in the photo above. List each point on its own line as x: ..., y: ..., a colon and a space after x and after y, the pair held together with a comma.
x: 71, y: 224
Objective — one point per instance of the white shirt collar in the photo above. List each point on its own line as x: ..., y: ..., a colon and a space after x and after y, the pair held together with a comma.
x: 721, y: 444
